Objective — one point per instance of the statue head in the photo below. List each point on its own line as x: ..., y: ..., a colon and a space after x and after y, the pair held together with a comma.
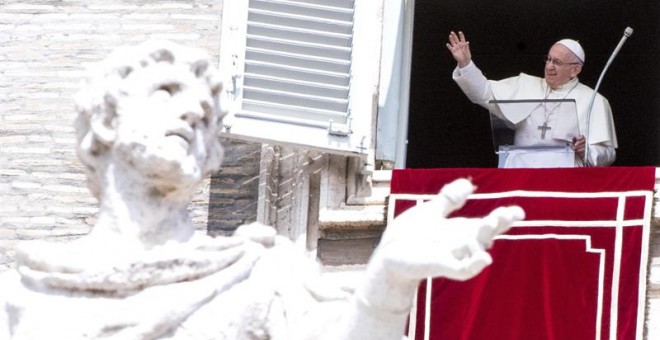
x: 152, y: 110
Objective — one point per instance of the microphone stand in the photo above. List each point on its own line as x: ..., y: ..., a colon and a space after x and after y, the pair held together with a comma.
x: 628, y: 32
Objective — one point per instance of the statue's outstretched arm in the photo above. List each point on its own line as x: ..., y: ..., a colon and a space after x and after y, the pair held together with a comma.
x: 421, y: 242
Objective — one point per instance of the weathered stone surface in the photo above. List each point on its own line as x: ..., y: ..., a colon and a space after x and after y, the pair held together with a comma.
x: 45, y: 49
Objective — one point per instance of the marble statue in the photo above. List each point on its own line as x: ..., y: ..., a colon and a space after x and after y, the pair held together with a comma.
x: 147, y: 133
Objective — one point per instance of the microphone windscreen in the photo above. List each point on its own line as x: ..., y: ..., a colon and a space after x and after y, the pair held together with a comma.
x: 628, y: 32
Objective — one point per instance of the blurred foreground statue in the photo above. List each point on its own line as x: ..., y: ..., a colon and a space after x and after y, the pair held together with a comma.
x: 147, y: 132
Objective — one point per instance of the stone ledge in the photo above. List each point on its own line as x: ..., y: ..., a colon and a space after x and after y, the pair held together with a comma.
x: 350, y: 251
x: 353, y: 217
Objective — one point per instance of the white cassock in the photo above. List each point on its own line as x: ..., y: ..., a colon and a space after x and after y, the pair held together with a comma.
x: 602, y: 136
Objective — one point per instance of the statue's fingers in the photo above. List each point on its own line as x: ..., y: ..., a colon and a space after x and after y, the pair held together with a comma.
x: 466, y: 268
x: 497, y: 222
x: 459, y: 264
x: 453, y: 196
x: 450, y: 198
x: 502, y: 218
x: 468, y: 249
x: 461, y: 252
x: 477, y: 262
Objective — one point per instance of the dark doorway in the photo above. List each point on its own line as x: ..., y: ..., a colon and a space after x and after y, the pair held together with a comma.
x: 511, y: 36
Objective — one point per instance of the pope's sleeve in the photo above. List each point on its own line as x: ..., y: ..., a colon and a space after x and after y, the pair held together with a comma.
x: 601, y: 155
x: 601, y: 126
x: 481, y: 91
x: 473, y: 83
x: 602, y: 135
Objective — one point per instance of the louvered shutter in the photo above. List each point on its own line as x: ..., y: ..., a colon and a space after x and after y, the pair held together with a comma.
x: 292, y: 65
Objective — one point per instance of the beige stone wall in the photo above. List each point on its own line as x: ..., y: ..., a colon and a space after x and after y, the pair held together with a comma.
x: 45, y: 46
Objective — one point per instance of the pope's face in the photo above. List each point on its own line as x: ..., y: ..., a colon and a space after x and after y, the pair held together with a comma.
x: 165, y: 124
x: 562, y: 68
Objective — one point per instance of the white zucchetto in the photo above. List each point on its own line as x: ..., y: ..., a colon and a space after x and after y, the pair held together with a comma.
x: 574, y: 46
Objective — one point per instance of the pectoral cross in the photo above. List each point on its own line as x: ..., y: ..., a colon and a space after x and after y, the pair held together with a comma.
x: 543, y: 129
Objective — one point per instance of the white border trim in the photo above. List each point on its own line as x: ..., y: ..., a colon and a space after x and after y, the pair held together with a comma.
x: 526, y: 193
x: 616, y: 269
x: 427, y: 308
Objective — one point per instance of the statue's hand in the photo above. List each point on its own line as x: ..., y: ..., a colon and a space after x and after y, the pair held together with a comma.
x: 422, y: 242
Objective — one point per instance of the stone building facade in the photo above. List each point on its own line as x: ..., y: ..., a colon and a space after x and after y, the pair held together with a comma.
x: 44, y: 48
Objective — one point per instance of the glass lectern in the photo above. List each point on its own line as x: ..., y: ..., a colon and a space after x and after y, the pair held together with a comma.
x: 533, y: 133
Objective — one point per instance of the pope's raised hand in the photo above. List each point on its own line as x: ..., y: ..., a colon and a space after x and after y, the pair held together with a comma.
x: 459, y: 48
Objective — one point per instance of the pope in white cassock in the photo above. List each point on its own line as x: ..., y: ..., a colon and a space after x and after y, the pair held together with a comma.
x: 562, y: 65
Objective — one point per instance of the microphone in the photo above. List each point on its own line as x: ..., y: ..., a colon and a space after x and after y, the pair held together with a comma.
x: 626, y: 33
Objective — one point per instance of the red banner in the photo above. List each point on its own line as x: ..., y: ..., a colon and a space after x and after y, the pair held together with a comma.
x: 575, y: 268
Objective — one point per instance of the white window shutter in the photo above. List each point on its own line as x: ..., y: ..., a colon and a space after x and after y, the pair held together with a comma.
x: 303, y: 72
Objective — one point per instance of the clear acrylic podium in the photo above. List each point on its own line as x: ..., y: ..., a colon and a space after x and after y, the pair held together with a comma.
x: 533, y: 133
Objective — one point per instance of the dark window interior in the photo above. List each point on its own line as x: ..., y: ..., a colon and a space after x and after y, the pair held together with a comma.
x: 511, y: 36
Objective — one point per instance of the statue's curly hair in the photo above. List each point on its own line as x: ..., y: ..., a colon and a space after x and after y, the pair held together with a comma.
x: 96, y: 102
